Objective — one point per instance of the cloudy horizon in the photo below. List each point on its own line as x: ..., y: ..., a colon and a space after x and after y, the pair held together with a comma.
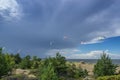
x: 75, y: 28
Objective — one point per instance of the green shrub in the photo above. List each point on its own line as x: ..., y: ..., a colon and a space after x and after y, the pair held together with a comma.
x: 48, y: 73
x: 76, y: 72
x: 16, y: 57
x: 25, y: 63
x: 53, y: 67
x: 35, y: 62
x: 113, y: 77
x: 104, y: 66
x: 18, y: 77
x: 56, y: 67
x: 6, y: 63
x: 59, y: 64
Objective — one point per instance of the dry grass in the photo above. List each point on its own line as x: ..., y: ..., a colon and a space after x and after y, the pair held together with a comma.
x: 89, y: 67
x: 23, y: 72
x: 118, y: 69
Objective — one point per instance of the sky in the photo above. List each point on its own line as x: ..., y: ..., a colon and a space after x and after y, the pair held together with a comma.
x: 78, y: 29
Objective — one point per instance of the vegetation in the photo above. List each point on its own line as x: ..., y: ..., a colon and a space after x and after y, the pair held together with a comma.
x: 53, y: 68
x: 18, y: 77
x: 17, y: 58
x: 48, y: 70
x: 26, y: 63
x: 113, y: 77
x: 35, y: 62
x: 6, y: 63
x: 104, y: 66
x: 56, y: 68
x: 75, y: 72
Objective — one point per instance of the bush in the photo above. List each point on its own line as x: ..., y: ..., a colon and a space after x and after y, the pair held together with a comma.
x: 18, y: 77
x: 17, y: 58
x: 26, y: 63
x: 56, y: 68
x: 75, y: 72
x: 6, y: 63
x: 35, y: 62
x: 113, y: 77
x: 104, y: 66
x: 48, y: 73
x: 59, y: 64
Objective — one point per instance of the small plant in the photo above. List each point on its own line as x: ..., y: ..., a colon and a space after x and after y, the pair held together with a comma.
x: 104, y: 66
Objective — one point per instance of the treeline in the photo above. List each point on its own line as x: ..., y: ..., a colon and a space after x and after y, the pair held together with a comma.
x: 53, y: 68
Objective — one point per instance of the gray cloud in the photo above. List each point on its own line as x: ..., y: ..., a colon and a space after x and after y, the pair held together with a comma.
x: 45, y: 23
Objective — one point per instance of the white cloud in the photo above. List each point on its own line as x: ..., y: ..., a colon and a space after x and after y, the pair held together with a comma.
x: 106, y: 23
x: 91, y: 55
x: 10, y: 9
x: 65, y: 52
x: 77, y: 54
x: 95, y: 40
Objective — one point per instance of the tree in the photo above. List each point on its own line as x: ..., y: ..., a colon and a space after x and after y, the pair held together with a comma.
x: 76, y: 72
x: 26, y: 62
x: 17, y: 58
x: 55, y: 67
x: 6, y: 63
x: 35, y: 62
x: 59, y: 63
x: 10, y: 61
x: 48, y: 73
x: 104, y: 66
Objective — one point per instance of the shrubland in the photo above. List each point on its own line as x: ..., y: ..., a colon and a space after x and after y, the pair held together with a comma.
x: 53, y: 68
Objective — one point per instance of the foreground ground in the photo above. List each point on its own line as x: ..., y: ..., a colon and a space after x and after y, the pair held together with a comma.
x: 90, y: 66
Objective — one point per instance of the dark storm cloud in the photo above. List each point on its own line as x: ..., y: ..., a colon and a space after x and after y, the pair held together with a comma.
x: 57, y: 24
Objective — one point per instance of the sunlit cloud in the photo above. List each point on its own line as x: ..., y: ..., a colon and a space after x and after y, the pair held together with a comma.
x: 77, y: 54
x: 10, y: 9
x: 95, y: 40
